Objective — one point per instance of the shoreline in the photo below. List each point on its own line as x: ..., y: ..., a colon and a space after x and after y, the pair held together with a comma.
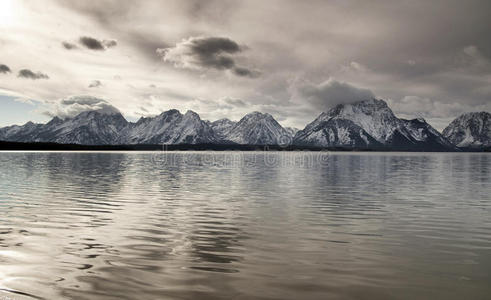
x: 39, y: 146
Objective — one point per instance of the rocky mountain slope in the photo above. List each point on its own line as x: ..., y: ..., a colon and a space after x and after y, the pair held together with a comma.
x: 370, y: 124
x: 258, y: 129
x: 87, y: 128
x: 222, y: 127
x: 470, y: 130
x: 170, y: 127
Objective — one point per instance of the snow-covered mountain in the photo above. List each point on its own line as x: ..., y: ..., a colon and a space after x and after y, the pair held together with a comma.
x: 222, y: 127
x: 99, y: 127
x: 330, y: 132
x: 258, y: 129
x: 370, y: 124
x: 18, y: 133
x: 292, y: 130
x: 170, y: 127
x: 470, y: 130
x: 87, y: 128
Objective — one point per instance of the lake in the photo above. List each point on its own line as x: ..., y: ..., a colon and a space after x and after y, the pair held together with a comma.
x: 245, y: 225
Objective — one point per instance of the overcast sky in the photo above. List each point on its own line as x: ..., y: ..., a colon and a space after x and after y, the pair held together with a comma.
x: 292, y: 59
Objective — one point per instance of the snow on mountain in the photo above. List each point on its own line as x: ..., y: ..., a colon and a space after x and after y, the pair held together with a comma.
x: 330, y: 132
x: 369, y: 124
x: 419, y: 135
x: 88, y: 128
x: 258, y: 129
x: 102, y: 127
x: 18, y: 133
x: 292, y: 130
x: 470, y: 130
x: 170, y: 127
x: 222, y: 127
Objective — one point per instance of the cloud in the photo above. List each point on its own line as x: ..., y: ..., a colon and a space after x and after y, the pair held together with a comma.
x: 95, y: 83
x: 206, y: 53
x: 437, y: 113
x: 26, y: 73
x: 4, y: 69
x: 241, y: 71
x: 68, y: 46
x: 475, y: 59
x: 74, y: 105
x: 414, y: 106
x: 109, y: 43
x: 95, y: 44
x: 233, y: 102
x: 384, y: 50
x: 330, y: 93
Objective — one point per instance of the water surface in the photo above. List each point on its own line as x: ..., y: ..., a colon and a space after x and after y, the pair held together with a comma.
x: 244, y: 225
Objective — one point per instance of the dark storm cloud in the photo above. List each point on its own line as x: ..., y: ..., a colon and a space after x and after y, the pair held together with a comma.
x: 69, y: 46
x: 4, y: 69
x: 198, y: 52
x: 332, y: 92
x: 91, y: 43
x: 205, y: 53
x: 95, y: 44
x: 118, y: 16
x: 26, y: 73
x: 240, y: 71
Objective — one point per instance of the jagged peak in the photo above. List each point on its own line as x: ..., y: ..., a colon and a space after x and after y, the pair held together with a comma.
x: 98, y: 112
x: 223, y: 120
x: 192, y: 114
x: 169, y: 112
x: 55, y: 120
x: 257, y: 115
x: 479, y: 114
x: 366, y: 107
x: 373, y: 103
x: 142, y: 119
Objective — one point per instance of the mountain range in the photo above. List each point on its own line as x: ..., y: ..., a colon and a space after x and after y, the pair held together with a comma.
x: 368, y: 124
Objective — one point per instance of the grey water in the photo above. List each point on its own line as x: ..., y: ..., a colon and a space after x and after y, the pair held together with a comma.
x: 245, y: 225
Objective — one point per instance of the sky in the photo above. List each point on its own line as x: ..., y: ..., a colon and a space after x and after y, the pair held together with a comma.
x: 223, y: 58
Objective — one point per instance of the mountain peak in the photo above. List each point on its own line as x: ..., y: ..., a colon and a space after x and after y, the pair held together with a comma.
x: 257, y: 114
x: 55, y: 121
x: 257, y: 128
x: 370, y: 124
x: 480, y: 114
x: 222, y: 127
x: 172, y: 111
x: 223, y: 120
x: 192, y: 114
x: 373, y: 101
x: 470, y: 130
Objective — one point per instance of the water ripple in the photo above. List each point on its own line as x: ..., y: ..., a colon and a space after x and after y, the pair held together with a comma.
x: 206, y: 225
